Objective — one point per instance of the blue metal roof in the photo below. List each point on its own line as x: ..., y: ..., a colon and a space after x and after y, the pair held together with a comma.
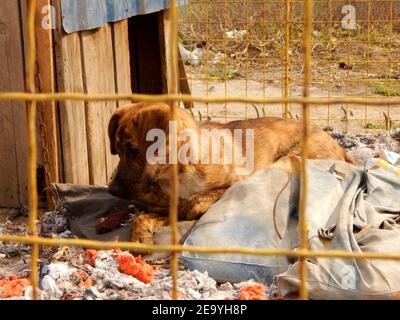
x: 89, y: 14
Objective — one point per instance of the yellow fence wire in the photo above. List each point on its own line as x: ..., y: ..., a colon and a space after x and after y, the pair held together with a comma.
x: 174, y: 199
x: 173, y: 98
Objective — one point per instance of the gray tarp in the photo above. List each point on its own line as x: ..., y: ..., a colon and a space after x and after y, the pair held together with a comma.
x: 85, y: 205
x: 348, y: 208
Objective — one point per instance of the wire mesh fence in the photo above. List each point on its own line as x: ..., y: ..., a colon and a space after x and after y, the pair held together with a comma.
x: 255, y: 48
x: 299, y: 50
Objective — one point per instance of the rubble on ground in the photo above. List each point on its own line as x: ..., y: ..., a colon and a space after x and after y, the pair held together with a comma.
x: 55, y: 223
x: 77, y: 279
x: 80, y: 274
x: 361, y: 147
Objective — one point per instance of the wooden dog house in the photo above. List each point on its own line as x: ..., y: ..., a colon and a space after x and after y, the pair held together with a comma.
x: 123, y: 56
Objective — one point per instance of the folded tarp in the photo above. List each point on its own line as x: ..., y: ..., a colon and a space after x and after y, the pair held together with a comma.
x: 348, y: 208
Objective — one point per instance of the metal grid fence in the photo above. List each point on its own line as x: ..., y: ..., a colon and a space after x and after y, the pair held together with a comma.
x: 305, y: 101
x: 254, y: 48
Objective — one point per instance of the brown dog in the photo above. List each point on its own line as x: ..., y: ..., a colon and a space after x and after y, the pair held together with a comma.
x: 201, y: 183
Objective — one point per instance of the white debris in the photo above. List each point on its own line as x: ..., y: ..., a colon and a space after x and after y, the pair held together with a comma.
x: 236, y: 34
x: 105, y: 261
x: 195, y: 57
x: 113, y: 279
x: 50, y: 287
x: 390, y: 156
x: 92, y: 294
x: 58, y: 271
x: 54, y: 222
x: 360, y: 155
x: 193, y: 285
x: 226, y: 286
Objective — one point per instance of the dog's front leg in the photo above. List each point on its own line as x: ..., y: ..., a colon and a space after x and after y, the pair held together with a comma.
x: 198, y: 204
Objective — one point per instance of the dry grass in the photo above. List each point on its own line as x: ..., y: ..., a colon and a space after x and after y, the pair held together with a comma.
x: 264, y: 21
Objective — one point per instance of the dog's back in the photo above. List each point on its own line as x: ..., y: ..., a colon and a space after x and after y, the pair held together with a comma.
x: 275, y: 138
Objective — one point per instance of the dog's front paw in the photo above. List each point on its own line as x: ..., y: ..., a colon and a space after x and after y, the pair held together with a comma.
x: 194, y: 207
x: 145, y: 225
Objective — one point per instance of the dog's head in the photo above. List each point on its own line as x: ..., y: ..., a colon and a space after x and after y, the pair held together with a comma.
x: 131, y: 131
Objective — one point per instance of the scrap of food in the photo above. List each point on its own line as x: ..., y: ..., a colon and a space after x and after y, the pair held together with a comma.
x: 114, y: 220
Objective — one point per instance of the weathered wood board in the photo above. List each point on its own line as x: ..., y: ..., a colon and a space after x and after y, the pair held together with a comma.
x: 13, y: 140
x: 72, y: 113
x: 98, y: 71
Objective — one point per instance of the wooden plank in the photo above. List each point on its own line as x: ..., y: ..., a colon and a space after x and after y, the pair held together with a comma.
x: 72, y: 113
x: 45, y: 84
x: 13, y: 155
x: 98, y: 69
x: 122, y: 65
x: 9, y: 193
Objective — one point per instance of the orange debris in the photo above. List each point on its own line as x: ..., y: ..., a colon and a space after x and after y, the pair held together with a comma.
x: 13, y: 287
x: 117, y: 251
x: 86, y: 283
x: 135, y: 266
x: 253, y: 292
x: 92, y: 254
x: 86, y: 280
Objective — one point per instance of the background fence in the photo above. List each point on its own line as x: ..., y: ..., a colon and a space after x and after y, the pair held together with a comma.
x: 254, y: 48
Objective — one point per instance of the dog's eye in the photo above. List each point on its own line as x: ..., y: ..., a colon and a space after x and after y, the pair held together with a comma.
x: 150, y: 186
x: 133, y: 151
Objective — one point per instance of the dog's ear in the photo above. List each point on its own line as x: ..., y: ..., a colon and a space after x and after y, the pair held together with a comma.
x: 151, y: 118
x: 112, y: 131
